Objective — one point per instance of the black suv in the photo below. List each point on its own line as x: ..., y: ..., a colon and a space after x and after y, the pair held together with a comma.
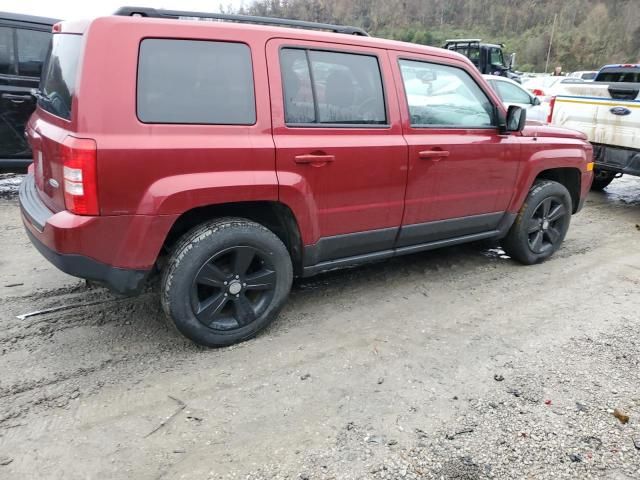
x: 24, y: 41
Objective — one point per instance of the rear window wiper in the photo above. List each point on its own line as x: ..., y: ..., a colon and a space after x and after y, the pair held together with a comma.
x: 37, y: 93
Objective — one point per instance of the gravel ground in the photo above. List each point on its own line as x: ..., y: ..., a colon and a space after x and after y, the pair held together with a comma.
x: 455, y: 364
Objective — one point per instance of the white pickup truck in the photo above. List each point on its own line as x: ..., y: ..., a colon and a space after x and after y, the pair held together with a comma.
x: 608, y: 112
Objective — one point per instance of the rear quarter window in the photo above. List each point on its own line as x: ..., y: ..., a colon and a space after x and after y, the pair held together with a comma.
x: 195, y: 82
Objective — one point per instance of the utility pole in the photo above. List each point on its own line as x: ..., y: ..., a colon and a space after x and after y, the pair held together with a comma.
x: 553, y: 30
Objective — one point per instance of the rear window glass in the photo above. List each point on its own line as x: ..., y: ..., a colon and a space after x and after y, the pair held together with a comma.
x: 631, y: 75
x: 58, y: 83
x: 195, y: 81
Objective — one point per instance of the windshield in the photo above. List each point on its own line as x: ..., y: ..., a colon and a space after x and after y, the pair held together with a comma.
x: 58, y: 82
x: 496, y: 57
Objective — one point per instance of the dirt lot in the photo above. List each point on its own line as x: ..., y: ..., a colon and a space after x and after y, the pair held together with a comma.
x: 449, y: 364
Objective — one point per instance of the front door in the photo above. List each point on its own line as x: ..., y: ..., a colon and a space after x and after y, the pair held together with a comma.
x: 341, y: 157
x: 462, y: 171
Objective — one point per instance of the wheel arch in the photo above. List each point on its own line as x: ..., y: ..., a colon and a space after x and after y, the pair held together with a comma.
x: 273, y: 215
x: 569, y: 177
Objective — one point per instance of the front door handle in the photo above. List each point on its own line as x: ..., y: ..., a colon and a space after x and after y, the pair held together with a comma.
x: 435, y: 155
x: 317, y: 160
x: 16, y: 98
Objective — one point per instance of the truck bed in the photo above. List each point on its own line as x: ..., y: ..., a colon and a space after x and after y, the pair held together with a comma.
x: 591, y: 109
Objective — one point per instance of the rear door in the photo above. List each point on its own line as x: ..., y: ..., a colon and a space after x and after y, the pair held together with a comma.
x: 341, y: 158
x: 462, y: 172
x: 22, y: 52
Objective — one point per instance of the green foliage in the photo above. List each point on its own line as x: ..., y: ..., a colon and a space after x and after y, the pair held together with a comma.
x: 589, y: 33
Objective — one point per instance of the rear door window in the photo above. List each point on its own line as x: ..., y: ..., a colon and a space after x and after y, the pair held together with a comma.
x: 195, y: 82
x: 32, y: 46
x: 7, y: 52
x: 322, y: 87
x: 444, y: 96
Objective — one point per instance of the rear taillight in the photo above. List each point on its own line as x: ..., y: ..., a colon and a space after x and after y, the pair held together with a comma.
x: 552, y: 104
x: 79, y: 175
x: 538, y: 92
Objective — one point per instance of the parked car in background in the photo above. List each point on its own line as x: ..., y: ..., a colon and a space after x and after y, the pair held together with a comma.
x: 284, y: 152
x: 586, y: 75
x: 24, y: 41
x: 487, y: 57
x: 512, y: 93
x: 608, y: 112
x: 547, y: 86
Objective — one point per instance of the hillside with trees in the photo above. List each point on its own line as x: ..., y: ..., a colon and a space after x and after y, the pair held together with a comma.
x: 589, y: 33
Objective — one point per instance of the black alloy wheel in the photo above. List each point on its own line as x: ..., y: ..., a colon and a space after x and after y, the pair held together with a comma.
x: 225, y: 281
x: 233, y: 288
x: 546, y: 225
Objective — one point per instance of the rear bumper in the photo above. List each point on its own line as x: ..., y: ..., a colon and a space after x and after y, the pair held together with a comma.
x: 616, y: 159
x: 118, y: 251
x: 119, y: 280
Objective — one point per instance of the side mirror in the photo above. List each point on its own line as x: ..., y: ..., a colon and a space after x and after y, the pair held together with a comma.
x: 535, y: 101
x: 512, y: 61
x: 516, y: 118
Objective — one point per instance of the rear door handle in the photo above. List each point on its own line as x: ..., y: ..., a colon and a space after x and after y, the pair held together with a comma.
x: 316, y: 160
x: 16, y: 98
x: 434, y: 155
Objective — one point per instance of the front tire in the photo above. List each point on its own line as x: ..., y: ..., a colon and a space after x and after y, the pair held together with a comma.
x: 226, y: 281
x: 541, y: 224
x: 602, y: 179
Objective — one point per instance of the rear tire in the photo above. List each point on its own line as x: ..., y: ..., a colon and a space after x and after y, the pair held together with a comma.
x: 541, y: 224
x: 226, y: 281
x: 602, y: 179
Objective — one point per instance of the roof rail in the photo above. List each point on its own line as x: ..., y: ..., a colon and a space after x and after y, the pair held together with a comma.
x: 454, y: 41
x: 179, y: 14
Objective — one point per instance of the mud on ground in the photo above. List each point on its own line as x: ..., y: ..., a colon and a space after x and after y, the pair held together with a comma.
x: 456, y: 363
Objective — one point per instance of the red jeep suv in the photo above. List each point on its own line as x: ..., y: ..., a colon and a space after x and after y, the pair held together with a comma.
x: 231, y: 156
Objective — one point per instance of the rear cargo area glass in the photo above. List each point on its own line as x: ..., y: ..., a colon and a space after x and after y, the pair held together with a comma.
x: 58, y: 81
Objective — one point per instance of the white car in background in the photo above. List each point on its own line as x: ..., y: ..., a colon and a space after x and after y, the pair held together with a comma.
x: 586, y: 75
x: 513, y: 93
x: 548, y: 86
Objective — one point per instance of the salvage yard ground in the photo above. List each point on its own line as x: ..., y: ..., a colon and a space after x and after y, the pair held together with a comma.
x: 456, y: 363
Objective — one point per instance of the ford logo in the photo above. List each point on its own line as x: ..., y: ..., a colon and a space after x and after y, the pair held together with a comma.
x: 620, y: 111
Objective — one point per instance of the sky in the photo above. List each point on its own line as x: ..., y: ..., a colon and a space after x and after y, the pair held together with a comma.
x: 75, y: 9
